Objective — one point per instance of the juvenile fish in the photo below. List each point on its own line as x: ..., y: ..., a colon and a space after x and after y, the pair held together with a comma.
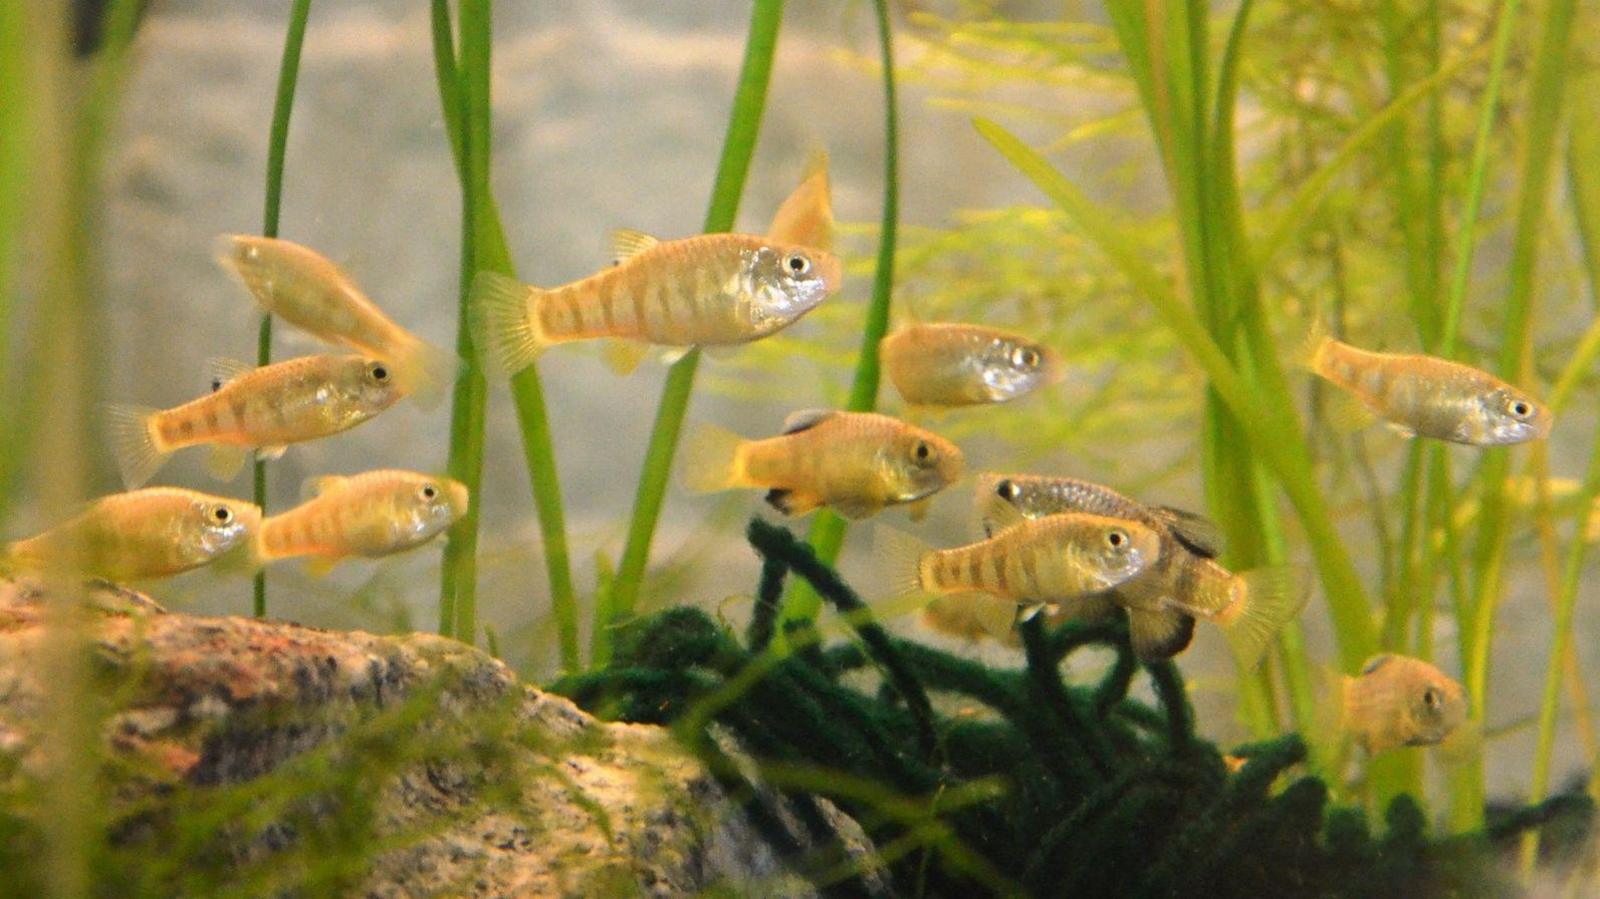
x: 1424, y: 396
x: 305, y: 289
x: 253, y: 408
x: 856, y: 463
x: 150, y: 533
x: 1400, y: 701
x: 373, y: 514
x: 962, y: 365
x: 1054, y: 560
x: 1184, y: 583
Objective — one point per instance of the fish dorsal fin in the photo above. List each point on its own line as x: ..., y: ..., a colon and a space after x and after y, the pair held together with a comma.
x: 318, y: 485
x: 627, y: 243
x: 806, y: 215
x: 806, y: 419
x: 1000, y: 517
x: 1198, y: 533
x: 1376, y: 662
x: 221, y: 369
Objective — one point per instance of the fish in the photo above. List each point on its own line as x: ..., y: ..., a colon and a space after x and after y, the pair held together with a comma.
x: 143, y: 534
x: 1425, y: 396
x: 951, y: 364
x: 1184, y: 583
x: 1401, y: 701
x: 855, y: 463
x: 264, y: 409
x: 304, y: 288
x: 1049, y: 561
x: 709, y: 290
x: 370, y: 515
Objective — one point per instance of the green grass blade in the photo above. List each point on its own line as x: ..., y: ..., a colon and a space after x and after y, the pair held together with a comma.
x: 827, y: 531
x: 749, y: 101
x: 1273, y: 432
x: 277, y: 147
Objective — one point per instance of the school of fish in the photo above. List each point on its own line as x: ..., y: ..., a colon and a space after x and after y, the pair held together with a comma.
x: 1058, y: 546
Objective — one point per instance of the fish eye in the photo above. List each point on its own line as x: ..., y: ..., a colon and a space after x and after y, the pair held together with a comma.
x: 922, y: 451
x: 1521, y: 408
x: 428, y: 491
x: 1432, y: 699
x: 1007, y: 489
x: 1025, y: 357
x: 797, y: 265
x: 1117, y: 538
x: 221, y: 514
x: 379, y: 372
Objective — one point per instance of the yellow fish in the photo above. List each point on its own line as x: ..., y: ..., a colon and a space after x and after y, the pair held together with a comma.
x: 149, y: 533
x: 962, y: 365
x: 1054, y: 560
x: 262, y: 408
x: 1182, y: 584
x: 372, y: 514
x: 711, y: 290
x: 856, y: 463
x: 305, y: 289
x: 1400, y: 701
x: 1425, y: 396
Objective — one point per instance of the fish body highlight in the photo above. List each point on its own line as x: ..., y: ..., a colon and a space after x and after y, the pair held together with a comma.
x: 288, y: 402
x: 373, y: 514
x: 305, y: 288
x: 703, y: 291
x: 1401, y: 701
x: 952, y: 364
x: 141, y: 534
x: 1426, y: 396
x: 856, y: 463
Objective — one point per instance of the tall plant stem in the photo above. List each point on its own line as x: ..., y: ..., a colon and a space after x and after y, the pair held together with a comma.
x: 484, y: 247
x: 1546, y: 94
x: 749, y: 101
x: 277, y: 147
x: 827, y: 532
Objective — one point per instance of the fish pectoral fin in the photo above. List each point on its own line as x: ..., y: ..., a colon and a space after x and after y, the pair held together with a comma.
x: 222, y: 369
x: 805, y: 419
x: 271, y: 453
x: 623, y: 356
x: 627, y: 243
x: 919, y: 509
x: 320, y: 566
x: 792, y: 502
x: 226, y: 460
x: 1159, y: 635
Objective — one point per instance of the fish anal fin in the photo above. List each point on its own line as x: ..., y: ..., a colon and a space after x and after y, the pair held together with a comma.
x: 226, y: 460
x: 1159, y: 635
x: 1345, y: 413
x: 792, y: 502
x: 627, y: 243
x: 623, y: 356
x: 321, y: 566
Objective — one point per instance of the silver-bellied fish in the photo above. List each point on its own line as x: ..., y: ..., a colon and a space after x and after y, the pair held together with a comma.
x: 1033, y: 563
x: 373, y: 514
x: 950, y: 364
x: 253, y: 408
x: 304, y: 288
x: 1401, y: 701
x: 711, y: 290
x: 1184, y: 583
x: 150, y: 533
x: 1425, y: 396
x: 855, y: 463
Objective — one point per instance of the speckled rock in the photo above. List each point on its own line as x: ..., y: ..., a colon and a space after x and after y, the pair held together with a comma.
x: 507, y: 791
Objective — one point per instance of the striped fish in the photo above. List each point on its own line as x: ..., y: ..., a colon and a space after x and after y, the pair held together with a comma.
x: 150, y: 533
x: 305, y: 289
x: 1051, y: 560
x: 1425, y: 396
x: 254, y: 408
x: 372, y: 514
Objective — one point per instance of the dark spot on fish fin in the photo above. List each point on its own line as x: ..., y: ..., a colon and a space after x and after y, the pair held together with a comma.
x: 790, y: 502
x: 1159, y: 635
x: 805, y: 419
x: 778, y: 498
x: 1376, y: 662
x: 1198, y: 534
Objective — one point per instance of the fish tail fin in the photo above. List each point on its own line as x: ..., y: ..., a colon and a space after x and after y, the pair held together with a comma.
x: 134, y: 443
x: 711, y: 460
x: 1309, y: 354
x: 425, y: 372
x: 1264, y: 600
x: 504, y: 328
x: 901, y: 555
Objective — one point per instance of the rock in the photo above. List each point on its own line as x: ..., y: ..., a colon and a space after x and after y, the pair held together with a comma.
x: 452, y: 776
